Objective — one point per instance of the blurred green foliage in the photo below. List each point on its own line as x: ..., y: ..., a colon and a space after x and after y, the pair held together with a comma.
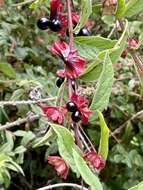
x: 29, y: 65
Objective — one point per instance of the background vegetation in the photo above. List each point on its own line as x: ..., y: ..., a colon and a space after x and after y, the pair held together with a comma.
x: 26, y: 66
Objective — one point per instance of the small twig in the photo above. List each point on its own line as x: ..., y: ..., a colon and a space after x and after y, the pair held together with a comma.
x: 23, y: 3
x: 63, y: 185
x: 24, y: 102
x: 87, y: 138
x: 121, y: 24
x: 83, y: 140
x: 20, y: 121
x: 77, y: 137
x: 70, y: 24
x: 137, y: 61
x: 112, y: 31
x: 119, y: 129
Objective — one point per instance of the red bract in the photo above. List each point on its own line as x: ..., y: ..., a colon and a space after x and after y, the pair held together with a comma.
x: 82, y: 104
x: 133, y: 43
x: 95, y: 160
x: 74, y: 64
x: 57, y: 11
x: 56, y: 114
x: 56, y: 7
x: 60, y: 165
x: 64, y: 20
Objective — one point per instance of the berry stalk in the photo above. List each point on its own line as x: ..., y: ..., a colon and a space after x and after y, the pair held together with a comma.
x: 70, y: 24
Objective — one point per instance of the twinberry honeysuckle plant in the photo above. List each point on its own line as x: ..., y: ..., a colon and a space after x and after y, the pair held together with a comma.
x: 67, y: 116
x: 73, y: 111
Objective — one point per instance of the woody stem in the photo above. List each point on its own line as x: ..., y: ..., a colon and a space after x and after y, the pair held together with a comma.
x: 70, y: 24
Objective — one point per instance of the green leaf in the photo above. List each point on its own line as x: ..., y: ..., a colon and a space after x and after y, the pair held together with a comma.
x: 86, y: 10
x: 17, y: 94
x: 16, y: 166
x: 7, y: 69
x: 42, y: 140
x: 116, y: 52
x: 87, y: 175
x: 7, y: 162
x: 93, y: 74
x: 65, y: 145
x: 133, y: 7
x: 92, y: 52
x: 104, y: 139
x: 8, y: 146
x: 104, y: 86
x: 137, y: 187
x: 93, y: 71
x: 36, y: 4
x: 96, y: 41
x: 27, y: 138
x: 20, y: 149
x: 96, y: 9
x: 121, y: 7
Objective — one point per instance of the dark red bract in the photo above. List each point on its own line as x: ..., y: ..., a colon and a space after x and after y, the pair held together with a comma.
x: 57, y: 12
x: 56, y: 7
x: 95, y: 160
x: 55, y: 113
x: 60, y: 165
x: 74, y: 64
x: 133, y: 43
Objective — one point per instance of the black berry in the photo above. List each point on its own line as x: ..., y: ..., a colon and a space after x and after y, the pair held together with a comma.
x: 43, y: 23
x: 55, y: 25
x: 76, y: 116
x: 71, y: 107
x: 59, y: 82
x: 84, y: 32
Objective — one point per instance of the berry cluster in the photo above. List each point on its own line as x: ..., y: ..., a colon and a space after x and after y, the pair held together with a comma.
x: 44, y: 23
x: 72, y: 107
x: 58, y: 20
x: 76, y: 106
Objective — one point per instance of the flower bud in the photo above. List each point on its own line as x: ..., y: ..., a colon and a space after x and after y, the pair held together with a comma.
x: 60, y: 165
x: 133, y: 43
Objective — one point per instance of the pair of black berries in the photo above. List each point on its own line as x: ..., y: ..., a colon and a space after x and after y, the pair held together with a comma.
x: 60, y: 81
x: 55, y: 25
x: 72, y: 107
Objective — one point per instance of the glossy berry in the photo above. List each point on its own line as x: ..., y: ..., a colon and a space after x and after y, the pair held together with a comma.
x: 59, y: 82
x: 55, y: 25
x: 84, y: 32
x: 76, y: 116
x: 71, y: 107
x: 43, y: 23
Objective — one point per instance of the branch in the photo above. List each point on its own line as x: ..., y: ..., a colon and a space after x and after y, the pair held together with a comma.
x: 63, y: 185
x: 20, y: 121
x: 23, y: 3
x: 112, y: 31
x: 70, y: 24
x: 118, y: 130
x: 24, y: 102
